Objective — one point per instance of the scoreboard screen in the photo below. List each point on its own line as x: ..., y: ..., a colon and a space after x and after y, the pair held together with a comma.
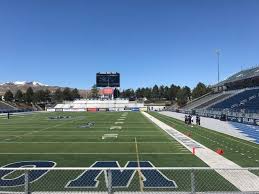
x: 108, y: 80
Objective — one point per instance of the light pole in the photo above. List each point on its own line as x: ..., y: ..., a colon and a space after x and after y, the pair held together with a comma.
x: 218, y: 53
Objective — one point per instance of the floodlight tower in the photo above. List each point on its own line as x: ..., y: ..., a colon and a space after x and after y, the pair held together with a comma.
x: 218, y: 54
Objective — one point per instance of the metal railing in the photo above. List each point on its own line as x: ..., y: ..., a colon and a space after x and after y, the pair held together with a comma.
x: 128, y: 180
x: 218, y: 112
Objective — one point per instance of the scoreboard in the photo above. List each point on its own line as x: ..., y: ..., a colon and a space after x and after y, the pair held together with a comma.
x: 108, y: 79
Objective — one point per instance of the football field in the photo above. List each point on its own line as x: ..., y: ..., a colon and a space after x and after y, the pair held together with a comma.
x: 72, y: 142
x: 82, y: 139
x: 242, y: 152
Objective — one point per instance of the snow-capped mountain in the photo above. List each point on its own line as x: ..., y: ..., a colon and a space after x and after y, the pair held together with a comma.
x: 33, y: 83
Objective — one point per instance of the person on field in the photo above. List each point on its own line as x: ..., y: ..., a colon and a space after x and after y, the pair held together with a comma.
x: 198, y: 120
x: 189, y: 120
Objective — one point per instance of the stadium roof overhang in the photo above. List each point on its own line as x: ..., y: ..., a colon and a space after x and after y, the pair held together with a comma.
x: 243, y: 76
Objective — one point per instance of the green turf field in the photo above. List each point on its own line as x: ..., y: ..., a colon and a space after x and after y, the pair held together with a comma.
x: 35, y: 136
x: 64, y: 141
x: 243, y: 153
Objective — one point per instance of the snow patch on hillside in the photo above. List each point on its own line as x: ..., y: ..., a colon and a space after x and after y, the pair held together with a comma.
x: 34, y: 83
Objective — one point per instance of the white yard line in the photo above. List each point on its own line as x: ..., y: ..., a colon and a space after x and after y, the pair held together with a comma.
x: 83, y: 142
x: 92, y: 153
x: 216, y: 126
x: 241, y: 179
x: 85, y: 131
x: 81, y: 135
x: 118, y: 192
x: 29, y: 133
x: 218, y: 133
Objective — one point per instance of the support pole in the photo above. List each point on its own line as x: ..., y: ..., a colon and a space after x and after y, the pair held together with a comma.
x: 26, y: 182
x: 109, y: 175
x: 218, y: 54
x: 192, y: 182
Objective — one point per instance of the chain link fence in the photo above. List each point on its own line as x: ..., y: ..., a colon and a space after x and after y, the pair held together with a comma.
x: 126, y: 180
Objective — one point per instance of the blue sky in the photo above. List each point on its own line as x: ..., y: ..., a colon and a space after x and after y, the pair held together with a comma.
x: 61, y: 42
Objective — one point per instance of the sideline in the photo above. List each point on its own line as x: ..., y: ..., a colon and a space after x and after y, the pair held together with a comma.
x: 243, y: 179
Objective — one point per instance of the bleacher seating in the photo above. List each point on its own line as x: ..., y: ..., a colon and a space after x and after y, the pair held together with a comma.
x: 4, y: 107
x: 81, y: 106
x: 111, y: 104
x: 214, y: 100
x: 207, y: 100
x: 247, y: 100
x: 59, y: 106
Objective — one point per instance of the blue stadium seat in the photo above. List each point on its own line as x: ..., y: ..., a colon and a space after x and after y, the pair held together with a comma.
x: 5, y: 107
x: 247, y: 100
x: 249, y: 130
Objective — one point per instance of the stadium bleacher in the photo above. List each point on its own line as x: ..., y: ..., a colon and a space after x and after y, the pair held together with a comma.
x: 4, y: 107
x: 214, y: 100
x: 208, y: 100
x: 247, y: 99
x: 235, y: 99
x: 242, y: 79
x: 112, y: 105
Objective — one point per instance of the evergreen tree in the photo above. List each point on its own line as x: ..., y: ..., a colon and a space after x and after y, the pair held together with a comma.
x: 183, y: 95
x: 166, y: 93
x: 199, y: 90
x: 129, y: 93
x: 139, y: 93
x: 161, y: 92
x: 123, y: 94
x: 148, y: 93
x: 173, y: 92
x: 58, y: 95
x: 155, y: 92
x: 116, y: 93
x: 94, y: 92
x: 39, y: 96
x: 8, y: 96
x: 47, y: 96
x: 67, y: 95
x: 29, y: 94
x: 75, y: 94
x: 187, y: 91
x: 142, y: 92
x: 18, y: 96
